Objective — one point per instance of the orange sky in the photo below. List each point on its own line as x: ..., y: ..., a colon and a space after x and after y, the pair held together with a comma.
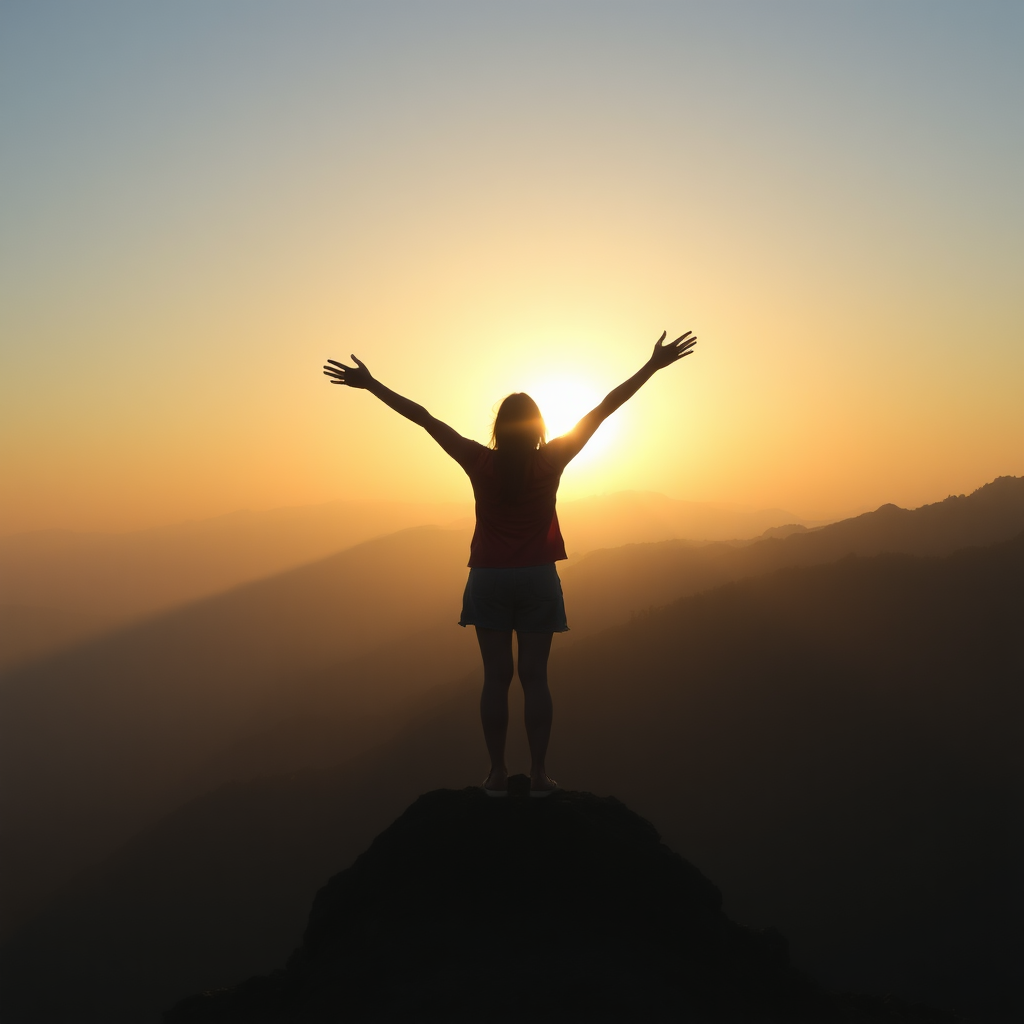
x: 204, y: 202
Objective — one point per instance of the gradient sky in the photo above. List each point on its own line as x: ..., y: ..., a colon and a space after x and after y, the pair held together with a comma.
x: 204, y: 199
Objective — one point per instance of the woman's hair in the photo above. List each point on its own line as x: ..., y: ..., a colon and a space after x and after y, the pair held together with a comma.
x: 518, y: 432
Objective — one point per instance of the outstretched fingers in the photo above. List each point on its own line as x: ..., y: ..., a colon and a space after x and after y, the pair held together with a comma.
x: 683, y: 345
x: 357, y: 376
x: 336, y: 371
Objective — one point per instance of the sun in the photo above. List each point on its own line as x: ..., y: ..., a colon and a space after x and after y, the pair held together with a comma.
x: 563, y: 403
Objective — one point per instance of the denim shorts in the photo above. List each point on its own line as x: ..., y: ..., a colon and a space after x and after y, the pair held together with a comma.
x: 528, y: 599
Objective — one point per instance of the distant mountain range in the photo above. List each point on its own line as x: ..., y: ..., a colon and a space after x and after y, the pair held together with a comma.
x: 58, y: 587
x: 649, y: 575
x: 830, y: 737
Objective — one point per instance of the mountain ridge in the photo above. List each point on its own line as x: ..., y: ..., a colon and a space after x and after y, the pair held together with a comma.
x: 120, y: 577
x: 60, y: 588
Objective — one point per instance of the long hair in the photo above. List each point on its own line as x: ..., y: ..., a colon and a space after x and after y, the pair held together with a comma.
x: 518, y: 431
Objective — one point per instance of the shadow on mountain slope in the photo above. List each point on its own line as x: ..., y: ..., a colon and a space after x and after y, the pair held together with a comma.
x: 564, y: 909
x: 99, y: 740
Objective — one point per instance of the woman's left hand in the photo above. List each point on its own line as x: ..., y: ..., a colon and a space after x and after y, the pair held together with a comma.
x: 357, y: 376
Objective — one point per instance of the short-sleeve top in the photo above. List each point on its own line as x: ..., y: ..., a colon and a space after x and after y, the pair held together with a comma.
x: 510, y: 536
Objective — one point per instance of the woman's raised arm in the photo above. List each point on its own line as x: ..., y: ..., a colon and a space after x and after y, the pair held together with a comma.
x: 359, y: 376
x: 569, y: 445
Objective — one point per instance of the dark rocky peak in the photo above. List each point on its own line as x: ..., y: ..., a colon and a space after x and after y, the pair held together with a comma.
x: 567, y: 908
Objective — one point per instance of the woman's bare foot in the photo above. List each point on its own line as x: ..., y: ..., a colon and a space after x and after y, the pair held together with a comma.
x: 542, y: 785
x: 497, y: 781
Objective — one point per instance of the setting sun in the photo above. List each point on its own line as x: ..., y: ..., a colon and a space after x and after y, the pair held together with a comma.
x: 564, y: 402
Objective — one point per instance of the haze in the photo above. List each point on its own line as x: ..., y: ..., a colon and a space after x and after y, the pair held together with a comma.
x: 827, y: 721
x: 203, y: 201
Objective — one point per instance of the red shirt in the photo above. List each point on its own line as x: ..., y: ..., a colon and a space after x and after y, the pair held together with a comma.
x: 509, y: 536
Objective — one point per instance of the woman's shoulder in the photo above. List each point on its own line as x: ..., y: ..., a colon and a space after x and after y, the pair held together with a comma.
x: 475, y: 455
x: 554, y: 453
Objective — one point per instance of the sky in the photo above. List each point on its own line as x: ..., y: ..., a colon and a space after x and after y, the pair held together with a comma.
x: 202, y: 200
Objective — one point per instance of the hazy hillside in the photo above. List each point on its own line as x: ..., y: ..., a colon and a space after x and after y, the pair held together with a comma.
x: 308, y: 668
x: 57, y: 586
x: 640, y: 517
x: 106, y: 735
x: 646, y: 576
x: 138, y: 572
x: 837, y: 747
x: 30, y: 632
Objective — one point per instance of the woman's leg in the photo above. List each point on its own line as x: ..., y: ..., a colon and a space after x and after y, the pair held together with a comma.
x: 533, y: 674
x: 496, y: 650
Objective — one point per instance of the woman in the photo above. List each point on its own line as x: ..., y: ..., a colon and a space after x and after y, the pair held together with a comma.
x: 513, y: 586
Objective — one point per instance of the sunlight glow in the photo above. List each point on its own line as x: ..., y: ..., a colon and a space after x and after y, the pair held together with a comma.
x: 563, y: 403
x: 471, y: 230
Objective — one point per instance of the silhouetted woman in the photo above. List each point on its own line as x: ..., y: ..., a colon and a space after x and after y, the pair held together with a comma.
x: 513, y: 586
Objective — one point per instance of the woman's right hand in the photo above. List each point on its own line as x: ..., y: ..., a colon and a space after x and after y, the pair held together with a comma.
x: 357, y: 376
x: 666, y: 355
